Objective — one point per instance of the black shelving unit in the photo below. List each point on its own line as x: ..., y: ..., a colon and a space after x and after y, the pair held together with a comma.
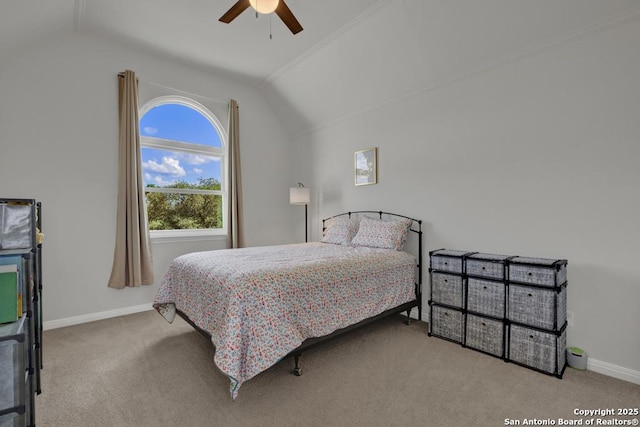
x: 21, y: 340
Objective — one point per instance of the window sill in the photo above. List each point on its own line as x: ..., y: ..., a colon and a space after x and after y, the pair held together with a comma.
x: 172, y: 236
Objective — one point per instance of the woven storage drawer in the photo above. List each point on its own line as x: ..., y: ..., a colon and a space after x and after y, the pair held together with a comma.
x: 485, y: 334
x: 486, y: 265
x: 448, y: 260
x: 538, y: 271
x: 447, y: 289
x: 486, y: 297
x: 541, y: 307
x: 446, y: 323
x: 545, y: 351
x: 11, y: 356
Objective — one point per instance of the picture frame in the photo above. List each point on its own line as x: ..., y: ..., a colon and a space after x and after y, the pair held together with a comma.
x: 365, y: 166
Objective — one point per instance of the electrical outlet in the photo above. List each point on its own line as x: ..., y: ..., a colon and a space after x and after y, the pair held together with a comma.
x: 570, y: 319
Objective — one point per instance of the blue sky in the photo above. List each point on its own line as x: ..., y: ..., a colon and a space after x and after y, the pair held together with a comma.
x: 179, y: 123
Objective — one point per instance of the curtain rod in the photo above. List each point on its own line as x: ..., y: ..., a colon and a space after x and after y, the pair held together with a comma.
x: 189, y: 93
x: 121, y: 74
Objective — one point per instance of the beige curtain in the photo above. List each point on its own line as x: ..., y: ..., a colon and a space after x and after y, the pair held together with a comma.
x: 235, y: 235
x: 132, y: 256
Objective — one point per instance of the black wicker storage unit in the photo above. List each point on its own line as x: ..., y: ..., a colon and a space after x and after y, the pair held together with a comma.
x: 511, y: 307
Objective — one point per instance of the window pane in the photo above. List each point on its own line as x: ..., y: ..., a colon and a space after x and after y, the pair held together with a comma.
x: 179, y: 123
x: 173, y: 169
x: 168, y: 211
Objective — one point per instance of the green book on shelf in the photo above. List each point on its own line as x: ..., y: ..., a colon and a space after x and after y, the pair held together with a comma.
x: 8, y: 293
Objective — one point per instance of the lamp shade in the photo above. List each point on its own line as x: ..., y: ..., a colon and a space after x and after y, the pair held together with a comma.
x: 299, y: 196
x: 264, y: 6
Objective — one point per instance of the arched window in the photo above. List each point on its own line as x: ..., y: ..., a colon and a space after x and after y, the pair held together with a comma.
x: 184, y: 154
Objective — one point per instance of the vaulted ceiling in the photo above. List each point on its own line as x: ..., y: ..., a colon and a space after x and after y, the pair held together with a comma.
x: 352, y: 54
x: 186, y: 30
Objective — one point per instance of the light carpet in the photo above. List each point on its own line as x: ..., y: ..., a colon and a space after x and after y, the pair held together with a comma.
x: 139, y: 370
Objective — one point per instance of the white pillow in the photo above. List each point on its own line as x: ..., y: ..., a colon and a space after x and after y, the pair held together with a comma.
x: 378, y: 233
x: 340, y: 231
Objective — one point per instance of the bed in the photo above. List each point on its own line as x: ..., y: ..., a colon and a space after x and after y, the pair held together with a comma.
x: 259, y: 305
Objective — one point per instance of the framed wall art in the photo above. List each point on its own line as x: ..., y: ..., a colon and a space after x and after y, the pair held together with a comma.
x: 366, y: 166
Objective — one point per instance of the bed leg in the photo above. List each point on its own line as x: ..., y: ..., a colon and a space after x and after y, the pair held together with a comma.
x: 409, y: 317
x: 297, y: 371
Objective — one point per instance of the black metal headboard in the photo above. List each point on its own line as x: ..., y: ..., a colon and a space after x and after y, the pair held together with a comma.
x: 416, y: 227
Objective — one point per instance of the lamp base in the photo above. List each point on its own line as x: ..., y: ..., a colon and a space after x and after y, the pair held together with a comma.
x: 306, y: 227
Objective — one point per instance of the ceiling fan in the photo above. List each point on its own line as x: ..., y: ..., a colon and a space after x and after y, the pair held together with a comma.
x: 264, y: 6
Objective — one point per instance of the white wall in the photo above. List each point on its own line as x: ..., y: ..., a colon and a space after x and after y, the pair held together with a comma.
x: 58, y: 139
x: 536, y: 156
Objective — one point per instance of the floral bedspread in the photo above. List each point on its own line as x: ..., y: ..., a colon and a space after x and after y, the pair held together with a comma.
x: 261, y: 303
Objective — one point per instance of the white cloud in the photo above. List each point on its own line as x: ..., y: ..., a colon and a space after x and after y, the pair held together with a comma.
x: 195, y: 159
x: 198, y: 170
x: 361, y: 162
x: 149, y: 130
x: 169, y: 166
x: 157, y: 180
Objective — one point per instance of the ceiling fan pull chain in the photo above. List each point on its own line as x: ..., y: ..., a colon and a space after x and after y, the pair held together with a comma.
x: 270, y: 32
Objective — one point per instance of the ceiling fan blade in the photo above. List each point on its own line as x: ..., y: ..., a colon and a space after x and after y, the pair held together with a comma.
x: 287, y: 17
x: 235, y: 10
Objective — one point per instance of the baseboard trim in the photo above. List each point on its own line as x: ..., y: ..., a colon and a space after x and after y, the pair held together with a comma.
x: 86, y: 318
x: 614, y: 371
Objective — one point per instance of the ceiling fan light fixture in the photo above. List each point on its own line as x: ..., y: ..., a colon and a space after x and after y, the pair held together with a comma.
x: 264, y: 6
